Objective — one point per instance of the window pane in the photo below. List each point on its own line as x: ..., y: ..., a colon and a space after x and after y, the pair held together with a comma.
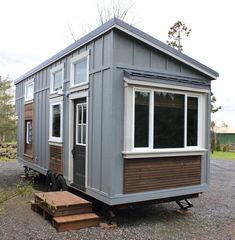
x: 57, y: 80
x: 56, y: 121
x: 141, y: 119
x: 84, y: 113
x: 29, y: 132
x: 168, y: 120
x: 80, y: 72
x: 84, y: 134
x: 29, y: 91
x: 79, y: 132
x: 192, y: 121
x: 79, y: 114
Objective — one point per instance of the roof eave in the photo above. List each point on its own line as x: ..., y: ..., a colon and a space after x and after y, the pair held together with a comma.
x: 132, y: 31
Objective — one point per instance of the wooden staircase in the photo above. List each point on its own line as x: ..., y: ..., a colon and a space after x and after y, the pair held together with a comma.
x: 66, y: 210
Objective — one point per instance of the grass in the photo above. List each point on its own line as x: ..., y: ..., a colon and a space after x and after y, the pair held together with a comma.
x: 223, y: 155
x: 5, y: 159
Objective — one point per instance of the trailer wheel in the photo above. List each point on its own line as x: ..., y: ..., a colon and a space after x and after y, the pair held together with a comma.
x: 61, y: 184
x: 50, y: 182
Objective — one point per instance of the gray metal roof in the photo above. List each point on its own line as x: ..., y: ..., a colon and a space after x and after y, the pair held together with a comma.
x: 121, y: 25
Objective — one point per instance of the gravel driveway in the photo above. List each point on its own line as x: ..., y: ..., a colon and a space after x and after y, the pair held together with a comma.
x: 213, y: 215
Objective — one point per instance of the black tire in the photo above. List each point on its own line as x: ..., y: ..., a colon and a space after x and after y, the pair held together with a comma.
x: 50, y: 182
x: 61, y: 184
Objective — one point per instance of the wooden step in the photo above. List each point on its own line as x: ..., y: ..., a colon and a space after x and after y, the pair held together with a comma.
x: 75, y: 222
x: 62, y: 203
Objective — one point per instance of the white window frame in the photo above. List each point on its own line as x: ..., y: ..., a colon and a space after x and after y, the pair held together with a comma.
x: 75, y: 60
x: 151, y: 121
x: 52, y: 72
x: 51, y: 138
x: 27, y: 85
x: 27, y: 131
x: 81, y: 124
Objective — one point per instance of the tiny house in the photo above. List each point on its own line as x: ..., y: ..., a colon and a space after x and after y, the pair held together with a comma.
x: 123, y: 117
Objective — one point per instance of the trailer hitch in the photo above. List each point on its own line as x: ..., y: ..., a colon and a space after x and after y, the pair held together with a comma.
x: 184, y: 204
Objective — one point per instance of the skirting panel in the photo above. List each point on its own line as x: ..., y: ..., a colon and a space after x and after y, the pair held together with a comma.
x: 149, y: 174
x: 56, y: 159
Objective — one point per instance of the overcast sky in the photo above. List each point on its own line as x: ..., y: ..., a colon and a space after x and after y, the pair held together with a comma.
x: 31, y: 31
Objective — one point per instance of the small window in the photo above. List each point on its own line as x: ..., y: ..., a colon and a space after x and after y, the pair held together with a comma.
x: 29, y: 132
x: 81, y: 112
x: 57, y: 78
x: 79, y: 69
x: 56, y: 122
x: 29, y: 91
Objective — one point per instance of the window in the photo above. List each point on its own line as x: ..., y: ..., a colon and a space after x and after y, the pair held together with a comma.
x: 141, y: 119
x: 79, y: 69
x: 81, y: 118
x: 56, y: 122
x: 57, y: 78
x: 168, y: 120
x: 165, y: 120
x: 29, y: 132
x: 29, y: 91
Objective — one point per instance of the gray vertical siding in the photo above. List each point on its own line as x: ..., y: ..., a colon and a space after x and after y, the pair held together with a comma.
x: 110, y: 54
x: 20, y: 122
x: 130, y: 54
x: 100, y: 58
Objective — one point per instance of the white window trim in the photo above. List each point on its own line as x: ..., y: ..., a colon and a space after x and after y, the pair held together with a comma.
x: 81, y: 124
x: 52, y: 72
x: 28, y: 84
x: 75, y: 60
x: 27, y: 131
x: 151, y: 148
x: 51, y: 138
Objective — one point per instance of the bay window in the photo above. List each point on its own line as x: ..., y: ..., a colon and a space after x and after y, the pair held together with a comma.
x: 165, y: 119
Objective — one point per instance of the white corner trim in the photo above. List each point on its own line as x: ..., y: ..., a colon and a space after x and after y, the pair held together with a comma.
x: 162, y: 85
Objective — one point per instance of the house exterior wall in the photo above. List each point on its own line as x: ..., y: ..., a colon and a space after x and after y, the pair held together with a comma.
x: 129, y: 53
x: 110, y: 54
x: 99, y: 107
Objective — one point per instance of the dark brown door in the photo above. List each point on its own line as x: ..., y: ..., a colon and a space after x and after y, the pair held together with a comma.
x: 79, y: 145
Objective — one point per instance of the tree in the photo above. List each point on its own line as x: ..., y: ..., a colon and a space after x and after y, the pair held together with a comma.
x: 107, y: 10
x: 116, y: 8
x: 176, y: 33
x: 7, y: 112
x: 213, y: 100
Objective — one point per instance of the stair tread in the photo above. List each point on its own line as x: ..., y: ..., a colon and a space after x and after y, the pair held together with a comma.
x: 75, y: 218
x: 61, y: 199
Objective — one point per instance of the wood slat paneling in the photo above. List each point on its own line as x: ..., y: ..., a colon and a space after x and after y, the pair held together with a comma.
x: 151, y: 174
x: 56, y: 159
x: 28, y: 148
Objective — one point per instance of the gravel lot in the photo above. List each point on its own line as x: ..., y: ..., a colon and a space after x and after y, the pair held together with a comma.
x: 213, y: 215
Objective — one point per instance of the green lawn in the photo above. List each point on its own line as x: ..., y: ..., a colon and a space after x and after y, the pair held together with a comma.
x: 223, y: 155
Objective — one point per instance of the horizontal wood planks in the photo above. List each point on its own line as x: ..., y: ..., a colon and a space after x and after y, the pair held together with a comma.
x: 149, y: 174
x: 56, y: 158
x: 28, y: 116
